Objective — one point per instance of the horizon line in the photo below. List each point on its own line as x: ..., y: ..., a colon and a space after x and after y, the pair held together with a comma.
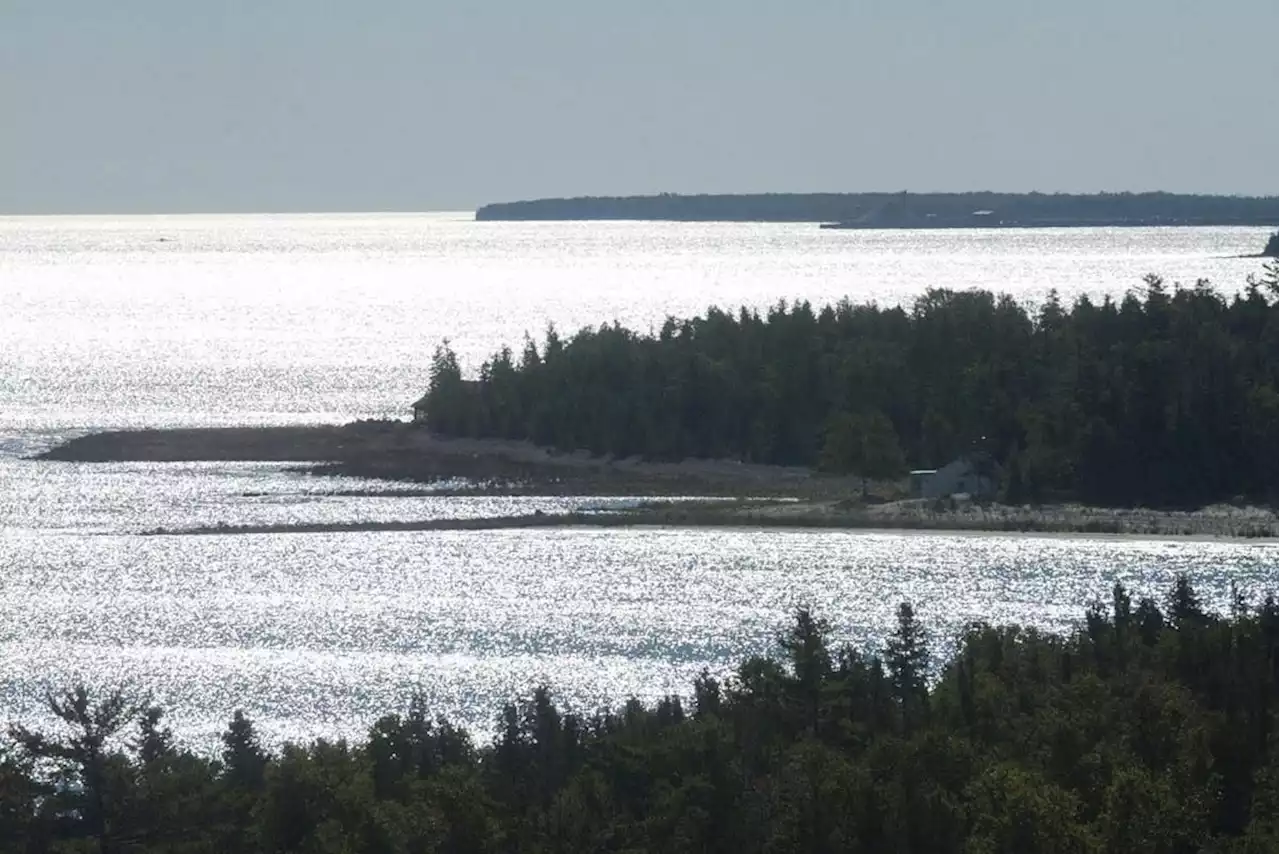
x: 651, y: 195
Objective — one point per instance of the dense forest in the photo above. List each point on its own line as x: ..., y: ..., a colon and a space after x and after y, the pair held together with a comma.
x: 1166, y: 398
x: 1151, y: 728
x: 912, y: 210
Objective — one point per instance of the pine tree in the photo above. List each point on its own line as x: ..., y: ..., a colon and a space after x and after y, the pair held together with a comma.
x: 806, y: 645
x: 706, y: 694
x: 1184, y: 604
x: 243, y: 758
x: 154, y: 742
x: 907, y: 656
x: 447, y: 402
x: 86, y: 752
x: 1150, y: 621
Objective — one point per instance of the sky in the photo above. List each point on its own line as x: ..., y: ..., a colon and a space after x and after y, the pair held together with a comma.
x: 413, y: 105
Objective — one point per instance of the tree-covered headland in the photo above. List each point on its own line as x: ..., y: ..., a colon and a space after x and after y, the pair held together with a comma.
x: 908, y: 210
x: 1165, y: 398
x: 1150, y: 728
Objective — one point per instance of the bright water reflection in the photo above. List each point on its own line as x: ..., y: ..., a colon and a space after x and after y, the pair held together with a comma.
x: 270, y: 319
x: 317, y: 634
x: 288, y: 319
x: 135, y: 497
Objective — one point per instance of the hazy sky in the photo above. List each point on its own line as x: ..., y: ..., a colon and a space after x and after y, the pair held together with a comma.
x: 283, y: 105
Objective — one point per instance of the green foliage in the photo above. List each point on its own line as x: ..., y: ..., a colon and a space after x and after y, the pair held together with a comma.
x: 1165, y: 398
x: 90, y: 777
x: 907, y: 655
x: 242, y: 756
x: 864, y: 444
x: 155, y: 743
x: 1140, y: 731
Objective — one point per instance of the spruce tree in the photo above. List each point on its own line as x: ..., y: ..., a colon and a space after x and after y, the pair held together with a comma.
x: 806, y: 646
x: 907, y: 656
x: 243, y: 758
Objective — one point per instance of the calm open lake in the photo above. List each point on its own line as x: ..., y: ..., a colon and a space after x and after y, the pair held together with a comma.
x: 158, y: 321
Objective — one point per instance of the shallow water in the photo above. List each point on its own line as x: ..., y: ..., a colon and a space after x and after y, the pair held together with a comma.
x: 255, y: 320
x: 100, y: 498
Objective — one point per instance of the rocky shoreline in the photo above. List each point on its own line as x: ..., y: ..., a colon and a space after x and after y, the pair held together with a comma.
x: 763, y: 496
x: 397, y: 451
x: 1209, y: 524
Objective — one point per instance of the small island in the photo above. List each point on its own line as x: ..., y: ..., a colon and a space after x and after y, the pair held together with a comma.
x: 908, y: 210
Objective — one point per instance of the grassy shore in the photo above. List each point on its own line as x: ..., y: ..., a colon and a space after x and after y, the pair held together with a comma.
x: 1060, y: 519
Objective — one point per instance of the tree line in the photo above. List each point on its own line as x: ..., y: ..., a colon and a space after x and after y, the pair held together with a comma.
x: 1151, y: 727
x: 1166, y: 397
x: 1027, y: 208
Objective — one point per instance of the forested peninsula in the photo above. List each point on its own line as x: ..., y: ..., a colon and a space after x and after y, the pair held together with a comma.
x: 908, y: 210
x: 1165, y: 398
x: 1150, y: 728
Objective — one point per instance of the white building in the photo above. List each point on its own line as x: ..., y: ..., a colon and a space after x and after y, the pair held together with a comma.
x: 969, y: 474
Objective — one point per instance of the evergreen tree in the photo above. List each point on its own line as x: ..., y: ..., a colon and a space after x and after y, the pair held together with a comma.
x: 1129, y: 733
x: 806, y: 646
x: 85, y: 754
x: 1184, y: 604
x: 1166, y: 398
x: 154, y: 741
x: 448, y: 403
x: 907, y: 655
x: 243, y: 759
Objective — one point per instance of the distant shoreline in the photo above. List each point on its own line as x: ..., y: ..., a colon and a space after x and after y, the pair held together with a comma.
x: 762, y: 496
x: 907, y: 210
x: 703, y: 516
x: 398, y: 451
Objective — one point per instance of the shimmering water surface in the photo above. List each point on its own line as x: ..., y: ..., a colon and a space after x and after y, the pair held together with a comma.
x: 148, y: 320
x: 109, y: 322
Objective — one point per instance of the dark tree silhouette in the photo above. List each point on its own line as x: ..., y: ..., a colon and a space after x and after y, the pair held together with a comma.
x: 1165, y: 398
x: 154, y: 741
x: 243, y: 758
x: 1272, y: 249
x: 1131, y: 733
x: 907, y: 655
x: 86, y: 751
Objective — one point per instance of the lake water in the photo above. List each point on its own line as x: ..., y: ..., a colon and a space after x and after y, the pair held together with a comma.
x: 165, y: 321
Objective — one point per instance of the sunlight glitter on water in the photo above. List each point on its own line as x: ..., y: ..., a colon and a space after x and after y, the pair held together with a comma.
x: 321, y: 633
x: 137, y: 497
x: 271, y: 319
x: 293, y: 319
